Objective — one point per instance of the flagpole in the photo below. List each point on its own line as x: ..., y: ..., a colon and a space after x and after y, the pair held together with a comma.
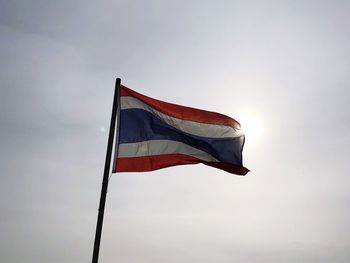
x: 106, y: 174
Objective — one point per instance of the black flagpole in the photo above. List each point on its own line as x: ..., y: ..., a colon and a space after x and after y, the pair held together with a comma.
x: 106, y: 174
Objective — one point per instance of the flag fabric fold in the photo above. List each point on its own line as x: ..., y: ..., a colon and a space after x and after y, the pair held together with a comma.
x: 153, y: 134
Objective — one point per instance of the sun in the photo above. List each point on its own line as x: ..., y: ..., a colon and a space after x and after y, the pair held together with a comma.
x: 252, y: 126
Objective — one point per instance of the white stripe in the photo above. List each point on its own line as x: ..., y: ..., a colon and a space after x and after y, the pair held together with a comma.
x: 191, y: 127
x: 159, y: 147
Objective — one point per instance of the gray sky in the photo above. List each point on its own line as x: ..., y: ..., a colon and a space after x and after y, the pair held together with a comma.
x: 284, y: 64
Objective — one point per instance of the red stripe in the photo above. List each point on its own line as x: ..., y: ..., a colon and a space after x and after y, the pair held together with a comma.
x: 182, y: 112
x: 151, y: 163
x: 231, y: 168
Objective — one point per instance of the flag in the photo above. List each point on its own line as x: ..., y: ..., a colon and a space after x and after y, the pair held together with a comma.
x: 154, y: 134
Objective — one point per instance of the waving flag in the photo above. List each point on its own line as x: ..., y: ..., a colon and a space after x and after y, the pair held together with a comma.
x: 153, y: 134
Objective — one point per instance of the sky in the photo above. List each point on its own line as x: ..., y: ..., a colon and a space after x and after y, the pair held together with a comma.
x: 279, y: 67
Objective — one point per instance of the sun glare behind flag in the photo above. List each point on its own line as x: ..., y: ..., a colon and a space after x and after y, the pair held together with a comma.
x: 154, y: 134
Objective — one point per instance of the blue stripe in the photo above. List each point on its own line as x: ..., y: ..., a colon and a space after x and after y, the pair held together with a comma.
x: 137, y: 125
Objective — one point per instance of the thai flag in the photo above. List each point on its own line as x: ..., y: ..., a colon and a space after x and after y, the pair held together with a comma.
x: 153, y: 134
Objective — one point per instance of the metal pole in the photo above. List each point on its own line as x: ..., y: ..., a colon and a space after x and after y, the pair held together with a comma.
x: 106, y: 174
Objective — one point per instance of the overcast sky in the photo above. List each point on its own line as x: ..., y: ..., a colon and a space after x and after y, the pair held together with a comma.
x: 281, y: 66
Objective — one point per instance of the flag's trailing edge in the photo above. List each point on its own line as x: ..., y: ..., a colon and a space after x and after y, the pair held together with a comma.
x: 153, y: 134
